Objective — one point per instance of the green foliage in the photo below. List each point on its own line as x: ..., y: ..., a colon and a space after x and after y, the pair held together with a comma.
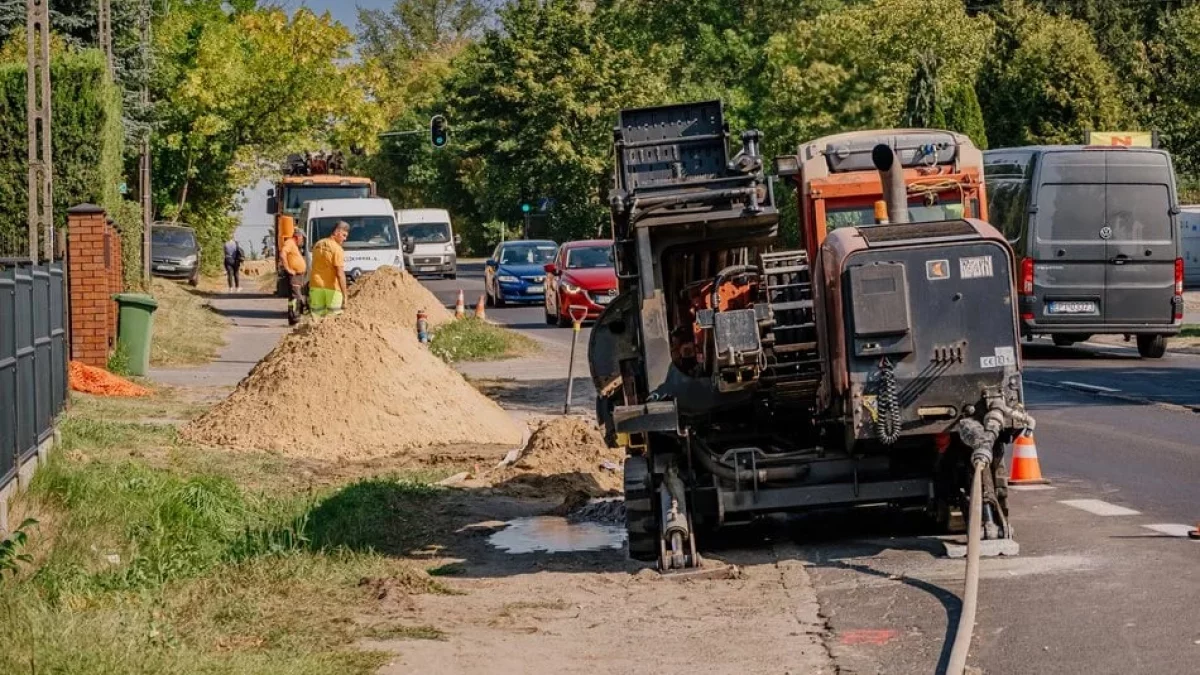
x: 12, y: 547
x: 964, y: 115
x: 1177, y: 73
x: 87, y: 139
x: 923, y: 106
x: 473, y: 340
x: 1045, y: 81
x: 118, y: 360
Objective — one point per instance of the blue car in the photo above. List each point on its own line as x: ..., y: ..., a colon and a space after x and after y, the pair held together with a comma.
x: 516, y: 272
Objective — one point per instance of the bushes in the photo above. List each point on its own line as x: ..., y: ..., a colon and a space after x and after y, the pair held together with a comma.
x: 87, y: 138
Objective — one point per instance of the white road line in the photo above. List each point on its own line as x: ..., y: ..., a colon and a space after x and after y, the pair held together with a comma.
x: 1171, y: 529
x: 1090, y: 387
x: 1099, y: 508
x: 1030, y: 488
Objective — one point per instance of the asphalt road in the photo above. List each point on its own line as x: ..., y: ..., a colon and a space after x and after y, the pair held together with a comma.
x: 1106, y: 582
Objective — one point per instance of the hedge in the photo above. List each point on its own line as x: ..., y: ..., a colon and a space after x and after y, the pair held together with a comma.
x: 87, y: 143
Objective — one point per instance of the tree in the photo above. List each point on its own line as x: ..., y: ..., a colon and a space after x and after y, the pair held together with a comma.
x: 1176, y: 59
x: 851, y: 67
x: 1045, y: 81
x: 964, y: 115
x: 923, y: 107
x: 415, y: 27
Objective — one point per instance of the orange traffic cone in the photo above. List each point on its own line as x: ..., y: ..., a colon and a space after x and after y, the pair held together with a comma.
x: 460, y: 309
x: 479, y: 311
x: 1025, y: 467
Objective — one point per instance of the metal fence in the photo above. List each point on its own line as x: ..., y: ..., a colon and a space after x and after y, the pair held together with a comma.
x: 33, y: 360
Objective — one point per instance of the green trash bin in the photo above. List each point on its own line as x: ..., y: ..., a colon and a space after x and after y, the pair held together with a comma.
x: 135, y: 328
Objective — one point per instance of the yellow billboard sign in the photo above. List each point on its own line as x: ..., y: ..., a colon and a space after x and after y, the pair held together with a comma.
x: 1129, y: 139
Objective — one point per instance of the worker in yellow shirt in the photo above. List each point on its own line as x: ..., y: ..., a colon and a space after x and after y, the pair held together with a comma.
x: 295, y: 267
x: 327, y: 283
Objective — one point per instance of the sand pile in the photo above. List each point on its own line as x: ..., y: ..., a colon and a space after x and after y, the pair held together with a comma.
x: 356, y: 386
x: 564, y: 456
x: 394, y: 296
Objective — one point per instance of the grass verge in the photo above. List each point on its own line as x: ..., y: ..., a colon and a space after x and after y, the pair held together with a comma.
x: 149, y: 557
x: 471, y: 339
x: 186, y: 330
x: 1190, y: 331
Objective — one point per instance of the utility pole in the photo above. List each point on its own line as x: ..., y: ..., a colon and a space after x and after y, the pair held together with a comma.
x: 104, y: 27
x: 37, y: 109
x: 144, y: 142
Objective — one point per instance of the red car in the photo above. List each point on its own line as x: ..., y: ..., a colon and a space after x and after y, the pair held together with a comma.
x: 581, y: 277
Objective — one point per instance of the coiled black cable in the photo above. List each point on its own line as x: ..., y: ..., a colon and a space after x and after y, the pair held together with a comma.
x: 887, y: 419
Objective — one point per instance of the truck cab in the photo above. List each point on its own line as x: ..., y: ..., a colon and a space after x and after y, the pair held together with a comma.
x: 374, y: 239
x: 433, y: 240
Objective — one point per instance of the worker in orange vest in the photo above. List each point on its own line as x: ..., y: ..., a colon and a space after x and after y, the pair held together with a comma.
x: 295, y: 267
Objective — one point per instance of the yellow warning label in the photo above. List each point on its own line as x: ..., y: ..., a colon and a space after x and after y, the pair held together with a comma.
x: 871, y: 403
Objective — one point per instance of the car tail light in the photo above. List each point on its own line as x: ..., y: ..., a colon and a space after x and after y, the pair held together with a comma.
x: 1179, y: 289
x: 1026, y: 287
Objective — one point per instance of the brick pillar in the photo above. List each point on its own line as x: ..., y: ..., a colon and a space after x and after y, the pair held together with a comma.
x: 89, y: 284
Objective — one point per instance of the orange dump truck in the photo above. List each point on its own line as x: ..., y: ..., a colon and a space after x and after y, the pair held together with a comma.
x: 308, y: 177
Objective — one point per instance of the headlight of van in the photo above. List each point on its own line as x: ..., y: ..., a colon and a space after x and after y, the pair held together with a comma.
x: 188, y: 261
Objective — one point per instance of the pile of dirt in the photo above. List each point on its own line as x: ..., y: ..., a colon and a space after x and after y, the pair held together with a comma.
x: 355, y: 386
x: 565, y: 456
x: 394, y: 296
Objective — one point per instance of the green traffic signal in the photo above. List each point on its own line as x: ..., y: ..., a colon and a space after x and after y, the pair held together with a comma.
x: 437, y: 131
x: 526, y: 208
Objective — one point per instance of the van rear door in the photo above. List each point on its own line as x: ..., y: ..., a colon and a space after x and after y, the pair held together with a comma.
x: 1141, y: 239
x: 1071, y: 258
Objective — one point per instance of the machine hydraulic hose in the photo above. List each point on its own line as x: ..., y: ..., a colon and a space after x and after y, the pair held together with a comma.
x: 887, y: 423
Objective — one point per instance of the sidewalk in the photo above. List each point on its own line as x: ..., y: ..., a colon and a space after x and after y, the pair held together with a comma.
x: 257, y: 322
x: 536, y: 385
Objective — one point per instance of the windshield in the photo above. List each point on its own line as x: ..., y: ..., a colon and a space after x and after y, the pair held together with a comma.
x: 589, y: 257
x: 365, y: 231
x: 173, y: 238
x: 427, y: 233
x: 295, y: 196
x: 864, y: 216
x: 527, y: 254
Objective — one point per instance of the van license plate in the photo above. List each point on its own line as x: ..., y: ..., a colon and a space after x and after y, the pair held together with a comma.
x: 1072, y: 308
x: 165, y: 268
x: 427, y: 269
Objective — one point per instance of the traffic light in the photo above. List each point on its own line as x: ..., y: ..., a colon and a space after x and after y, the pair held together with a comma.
x: 438, y: 134
x: 526, y: 207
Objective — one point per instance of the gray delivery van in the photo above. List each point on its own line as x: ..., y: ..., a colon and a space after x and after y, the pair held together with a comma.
x: 1095, y: 230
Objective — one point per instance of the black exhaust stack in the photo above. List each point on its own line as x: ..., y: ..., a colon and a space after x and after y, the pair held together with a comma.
x: 891, y: 174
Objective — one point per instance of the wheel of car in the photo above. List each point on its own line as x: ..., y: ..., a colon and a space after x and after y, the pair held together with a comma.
x: 1063, y: 340
x: 560, y: 319
x: 452, y: 275
x: 1152, y: 346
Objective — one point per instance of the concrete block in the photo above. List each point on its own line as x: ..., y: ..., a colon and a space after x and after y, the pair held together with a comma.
x: 43, y: 451
x: 988, y: 548
x: 6, y: 493
x: 26, y: 471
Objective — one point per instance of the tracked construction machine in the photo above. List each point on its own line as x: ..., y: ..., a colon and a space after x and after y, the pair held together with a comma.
x: 876, y: 364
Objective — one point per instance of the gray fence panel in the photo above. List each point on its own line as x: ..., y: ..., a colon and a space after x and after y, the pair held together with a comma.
x: 33, y: 366
x: 8, y: 376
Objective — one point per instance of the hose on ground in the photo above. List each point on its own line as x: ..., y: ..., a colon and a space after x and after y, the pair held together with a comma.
x: 966, y: 618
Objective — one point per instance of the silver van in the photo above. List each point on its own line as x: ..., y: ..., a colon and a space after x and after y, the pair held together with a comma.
x: 1097, y: 235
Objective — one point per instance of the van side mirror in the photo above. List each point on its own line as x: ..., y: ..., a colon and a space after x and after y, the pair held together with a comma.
x: 550, y: 268
x: 457, y: 239
x: 272, y: 204
x: 491, y: 262
x: 408, y: 245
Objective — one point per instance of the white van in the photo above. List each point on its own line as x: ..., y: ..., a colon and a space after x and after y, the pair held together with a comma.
x: 374, y: 240
x: 433, y: 241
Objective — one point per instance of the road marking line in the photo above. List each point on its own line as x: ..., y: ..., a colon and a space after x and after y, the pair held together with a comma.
x: 1099, y: 508
x: 1090, y: 387
x: 1030, y: 488
x: 1171, y: 529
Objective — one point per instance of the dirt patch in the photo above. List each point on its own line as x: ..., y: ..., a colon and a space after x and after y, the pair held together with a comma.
x: 355, y: 386
x: 566, y: 457
x: 394, y: 296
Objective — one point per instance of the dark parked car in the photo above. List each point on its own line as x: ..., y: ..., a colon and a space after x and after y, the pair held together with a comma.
x: 174, y: 253
x: 1097, y: 234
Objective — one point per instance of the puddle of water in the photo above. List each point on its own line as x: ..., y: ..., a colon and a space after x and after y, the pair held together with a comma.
x: 551, y: 534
